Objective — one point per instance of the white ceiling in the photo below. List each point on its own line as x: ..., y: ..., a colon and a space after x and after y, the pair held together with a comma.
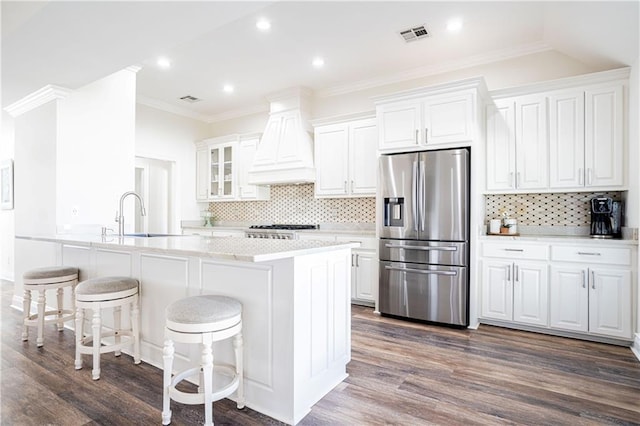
x: 212, y: 43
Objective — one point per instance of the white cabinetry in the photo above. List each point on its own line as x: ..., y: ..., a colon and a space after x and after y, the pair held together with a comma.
x: 430, y: 118
x: 364, y: 264
x: 593, y: 297
x: 515, y: 288
x: 222, y: 166
x: 586, y: 138
x: 517, y: 144
x: 346, y: 159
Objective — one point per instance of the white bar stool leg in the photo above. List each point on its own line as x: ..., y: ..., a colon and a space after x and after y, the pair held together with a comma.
x: 96, y: 326
x: 26, y: 312
x: 238, y: 349
x: 41, y: 300
x: 59, y: 295
x: 79, y: 336
x: 117, y: 323
x: 135, y: 328
x: 207, y: 371
x: 167, y: 356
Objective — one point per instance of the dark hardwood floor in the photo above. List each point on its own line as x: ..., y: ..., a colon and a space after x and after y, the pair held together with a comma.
x: 401, y: 373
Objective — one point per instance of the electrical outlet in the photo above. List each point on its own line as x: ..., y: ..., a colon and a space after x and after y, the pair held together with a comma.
x: 635, y: 234
x: 74, y: 211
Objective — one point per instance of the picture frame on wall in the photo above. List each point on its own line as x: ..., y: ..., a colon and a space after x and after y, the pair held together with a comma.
x: 6, y: 184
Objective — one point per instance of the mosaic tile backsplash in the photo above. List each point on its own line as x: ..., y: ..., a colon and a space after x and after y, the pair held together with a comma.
x: 555, y: 209
x: 296, y: 204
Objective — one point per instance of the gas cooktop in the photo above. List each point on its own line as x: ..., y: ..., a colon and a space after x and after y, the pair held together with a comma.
x: 284, y: 226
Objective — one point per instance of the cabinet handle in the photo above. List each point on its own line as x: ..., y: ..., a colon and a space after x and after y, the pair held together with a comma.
x: 357, y: 261
x: 587, y: 253
x: 351, y: 186
x: 580, y: 177
x: 518, y: 180
x: 352, y: 259
x: 593, y: 280
x: 512, y: 249
x: 589, y: 176
x: 509, y: 273
x: 345, y: 186
x: 583, y: 280
x: 426, y: 131
x: 417, y: 136
x: 517, y: 273
x: 511, y: 182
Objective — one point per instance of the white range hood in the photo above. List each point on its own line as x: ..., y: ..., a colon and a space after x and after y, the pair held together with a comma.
x: 285, y: 151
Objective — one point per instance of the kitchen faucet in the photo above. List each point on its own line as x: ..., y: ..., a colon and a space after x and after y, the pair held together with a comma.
x: 120, y: 216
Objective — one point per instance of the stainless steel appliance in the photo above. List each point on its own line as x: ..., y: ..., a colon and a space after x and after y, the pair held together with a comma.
x: 424, y: 236
x: 606, y: 218
x: 277, y: 232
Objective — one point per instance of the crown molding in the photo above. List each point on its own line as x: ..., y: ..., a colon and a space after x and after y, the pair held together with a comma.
x: 39, y: 97
x: 486, y: 58
x: 133, y: 68
x: 167, y: 107
x: 240, y: 112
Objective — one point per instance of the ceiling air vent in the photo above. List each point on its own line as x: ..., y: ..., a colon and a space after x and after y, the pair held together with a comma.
x: 190, y: 99
x: 413, y: 34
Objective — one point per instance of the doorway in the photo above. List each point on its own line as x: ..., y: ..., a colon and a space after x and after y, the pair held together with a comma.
x: 155, y: 182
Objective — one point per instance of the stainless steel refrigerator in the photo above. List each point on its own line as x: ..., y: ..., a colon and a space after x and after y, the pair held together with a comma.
x: 424, y: 235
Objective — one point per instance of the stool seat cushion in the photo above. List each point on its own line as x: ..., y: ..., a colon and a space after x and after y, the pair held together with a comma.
x: 203, y: 309
x: 50, y: 272
x: 104, y: 285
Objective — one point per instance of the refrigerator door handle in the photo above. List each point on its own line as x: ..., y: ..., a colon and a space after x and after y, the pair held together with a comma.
x: 404, y: 246
x: 421, y: 271
x: 414, y: 195
x: 421, y: 196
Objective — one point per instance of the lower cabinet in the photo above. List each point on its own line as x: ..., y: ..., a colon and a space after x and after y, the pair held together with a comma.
x: 585, y: 290
x: 515, y: 291
x: 591, y: 299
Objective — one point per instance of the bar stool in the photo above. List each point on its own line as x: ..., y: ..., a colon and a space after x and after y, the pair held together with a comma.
x: 97, y: 294
x: 203, y: 320
x: 41, y: 280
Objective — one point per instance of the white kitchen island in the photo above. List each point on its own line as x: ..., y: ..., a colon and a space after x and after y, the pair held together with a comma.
x: 295, y: 296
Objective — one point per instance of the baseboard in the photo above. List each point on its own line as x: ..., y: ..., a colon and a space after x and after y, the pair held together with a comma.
x: 635, y: 348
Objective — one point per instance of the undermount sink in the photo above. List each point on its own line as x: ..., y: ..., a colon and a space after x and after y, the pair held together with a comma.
x: 146, y: 235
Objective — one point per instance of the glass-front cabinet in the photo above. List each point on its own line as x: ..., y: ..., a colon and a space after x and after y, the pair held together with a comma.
x: 222, y: 176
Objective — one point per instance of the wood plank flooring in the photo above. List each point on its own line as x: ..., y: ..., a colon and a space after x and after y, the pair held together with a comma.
x: 401, y: 373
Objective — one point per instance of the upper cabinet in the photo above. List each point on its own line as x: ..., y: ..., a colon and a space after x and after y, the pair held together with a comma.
x: 346, y: 159
x: 517, y: 144
x: 562, y: 139
x: 431, y: 118
x: 221, y: 169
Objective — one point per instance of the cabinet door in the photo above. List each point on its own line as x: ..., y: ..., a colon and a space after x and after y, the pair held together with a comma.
x: 332, y: 160
x: 610, y: 302
x: 364, y: 276
x: 363, y: 159
x: 245, y: 153
x: 448, y: 119
x: 569, y: 298
x: 497, y: 290
x: 566, y: 140
x: 604, y: 138
x: 531, y: 293
x: 531, y: 142
x: 215, y: 175
x: 399, y: 125
x: 501, y: 146
x: 202, y: 174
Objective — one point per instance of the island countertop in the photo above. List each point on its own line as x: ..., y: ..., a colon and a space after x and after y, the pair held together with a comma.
x: 228, y: 248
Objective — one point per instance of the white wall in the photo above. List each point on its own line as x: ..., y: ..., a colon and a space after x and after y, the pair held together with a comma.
x: 7, y: 222
x: 165, y: 136
x: 95, y: 156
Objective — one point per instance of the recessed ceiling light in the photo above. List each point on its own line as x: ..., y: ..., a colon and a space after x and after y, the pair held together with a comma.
x: 263, y: 25
x: 163, y: 62
x: 318, y: 62
x: 454, y: 25
x: 227, y: 88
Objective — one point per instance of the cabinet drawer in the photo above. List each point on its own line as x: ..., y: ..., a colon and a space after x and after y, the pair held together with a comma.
x: 608, y: 255
x: 366, y: 243
x: 516, y: 251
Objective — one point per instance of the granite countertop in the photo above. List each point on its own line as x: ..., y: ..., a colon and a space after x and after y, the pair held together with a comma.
x: 226, y: 248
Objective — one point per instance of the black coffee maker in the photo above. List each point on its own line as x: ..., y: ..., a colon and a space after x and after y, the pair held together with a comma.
x: 606, y: 218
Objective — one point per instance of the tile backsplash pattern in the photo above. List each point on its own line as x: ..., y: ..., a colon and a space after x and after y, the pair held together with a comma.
x: 554, y: 209
x: 296, y: 204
